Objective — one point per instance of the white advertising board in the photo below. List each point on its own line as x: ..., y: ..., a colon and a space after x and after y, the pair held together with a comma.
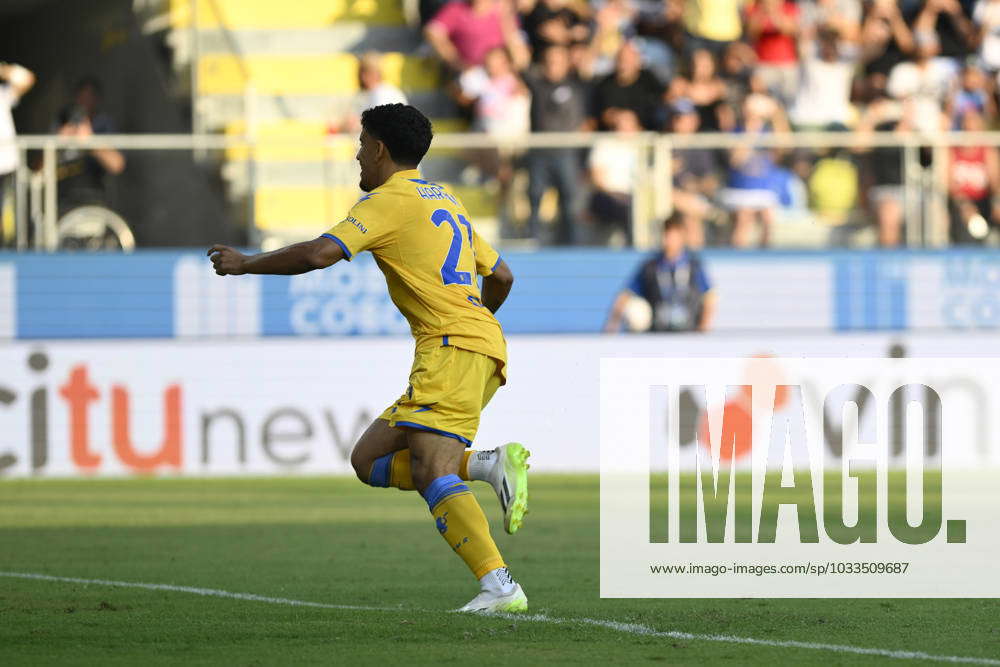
x: 296, y: 406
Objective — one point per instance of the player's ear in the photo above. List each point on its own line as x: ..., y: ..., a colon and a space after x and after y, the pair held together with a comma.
x: 381, y: 152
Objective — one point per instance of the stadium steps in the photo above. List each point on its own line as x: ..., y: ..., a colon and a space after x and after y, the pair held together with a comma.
x: 328, y: 173
x: 350, y: 37
x: 294, y: 213
x: 270, y: 15
x: 218, y: 111
x: 299, y: 134
x: 299, y: 59
x: 310, y: 74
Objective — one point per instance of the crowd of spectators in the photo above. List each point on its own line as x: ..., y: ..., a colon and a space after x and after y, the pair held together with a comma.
x: 85, y: 177
x: 747, y: 67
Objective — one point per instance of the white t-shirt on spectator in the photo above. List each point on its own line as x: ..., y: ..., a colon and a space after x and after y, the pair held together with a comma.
x: 618, y: 163
x: 927, y: 87
x: 824, y: 92
x: 987, y: 17
x: 502, y: 107
x: 8, y: 151
x: 815, y: 14
x: 383, y: 93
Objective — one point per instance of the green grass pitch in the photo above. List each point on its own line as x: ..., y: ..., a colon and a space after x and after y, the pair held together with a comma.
x: 335, y: 541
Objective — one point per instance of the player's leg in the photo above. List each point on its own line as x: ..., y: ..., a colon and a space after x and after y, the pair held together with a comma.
x: 372, y: 456
x: 381, y: 458
x: 505, y: 468
x: 435, y: 460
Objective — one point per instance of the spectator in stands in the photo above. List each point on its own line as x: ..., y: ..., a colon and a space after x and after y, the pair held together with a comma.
x: 499, y: 98
x: 374, y: 91
x: 673, y: 283
x: 972, y: 94
x: 660, y: 36
x: 614, y: 166
x: 756, y: 184
x: 464, y: 31
x: 614, y: 22
x: 886, y: 41
x: 823, y: 101
x: 583, y: 58
x: 707, y: 91
x: 884, y: 177
x: 773, y: 30
x: 974, y: 183
x: 841, y: 17
x: 15, y: 81
x: 558, y: 104
x: 501, y: 107
x: 712, y: 24
x: 926, y: 82
x: 736, y: 70
x: 554, y: 23
x: 948, y: 21
x: 832, y: 184
x: 986, y: 15
x: 696, y: 175
x: 83, y: 174
x: 630, y: 87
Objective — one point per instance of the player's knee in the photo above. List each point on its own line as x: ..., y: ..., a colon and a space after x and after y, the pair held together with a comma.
x: 362, y: 465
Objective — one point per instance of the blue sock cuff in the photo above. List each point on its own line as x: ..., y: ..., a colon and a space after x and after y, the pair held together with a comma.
x: 379, y: 475
x: 441, y: 488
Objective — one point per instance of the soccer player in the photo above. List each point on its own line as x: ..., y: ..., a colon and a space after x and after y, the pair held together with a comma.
x: 424, y: 243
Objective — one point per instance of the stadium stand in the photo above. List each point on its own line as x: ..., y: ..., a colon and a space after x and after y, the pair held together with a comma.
x: 301, y: 64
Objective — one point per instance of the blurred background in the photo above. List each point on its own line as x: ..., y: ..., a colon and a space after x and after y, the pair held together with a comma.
x: 749, y: 176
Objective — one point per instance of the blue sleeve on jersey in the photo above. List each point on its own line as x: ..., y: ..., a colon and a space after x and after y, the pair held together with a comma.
x: 347, y: 253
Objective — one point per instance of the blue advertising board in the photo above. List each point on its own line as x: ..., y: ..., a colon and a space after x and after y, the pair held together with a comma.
x: 164, y: 294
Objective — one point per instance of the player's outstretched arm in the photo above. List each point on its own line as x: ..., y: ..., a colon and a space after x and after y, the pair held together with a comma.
x: 496, y: 286
x: 290, y: 260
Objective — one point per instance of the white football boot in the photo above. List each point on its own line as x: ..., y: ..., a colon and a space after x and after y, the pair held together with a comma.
x: 509, y: 479
x: 490, y: 602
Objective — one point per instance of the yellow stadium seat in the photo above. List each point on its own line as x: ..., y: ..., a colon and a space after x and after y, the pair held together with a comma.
x: 264, y: 14
x: 292, y: 141
x: 277, y: 208
x: 280, y: 208
x: 446, y: 125
x: 337, y: 74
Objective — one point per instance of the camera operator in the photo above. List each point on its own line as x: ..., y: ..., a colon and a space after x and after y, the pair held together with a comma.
x: 83, y: 173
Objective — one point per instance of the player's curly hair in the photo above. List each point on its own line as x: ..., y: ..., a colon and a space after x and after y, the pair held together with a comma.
x: 402, y: 128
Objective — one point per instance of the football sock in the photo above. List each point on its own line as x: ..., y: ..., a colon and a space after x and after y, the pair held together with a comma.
x: 394, y: 469
x: 462, y: 524
x: 478, y: 465
x: 497, y: 581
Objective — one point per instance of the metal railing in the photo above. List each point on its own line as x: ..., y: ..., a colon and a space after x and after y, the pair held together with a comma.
x: 926, y: 187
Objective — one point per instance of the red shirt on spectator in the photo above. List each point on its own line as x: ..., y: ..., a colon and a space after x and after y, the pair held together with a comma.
x: 774, y: 47
x: 472, y: 34
x: 970, y: 176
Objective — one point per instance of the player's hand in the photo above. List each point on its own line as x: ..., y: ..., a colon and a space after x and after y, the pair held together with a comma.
x: 227, y: 261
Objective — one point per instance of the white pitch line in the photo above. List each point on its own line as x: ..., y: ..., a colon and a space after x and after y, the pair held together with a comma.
x: 208, y: 592
x: 617, y: 626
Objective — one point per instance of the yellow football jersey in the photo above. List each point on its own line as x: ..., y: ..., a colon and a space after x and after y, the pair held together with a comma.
x: 424, y: 243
